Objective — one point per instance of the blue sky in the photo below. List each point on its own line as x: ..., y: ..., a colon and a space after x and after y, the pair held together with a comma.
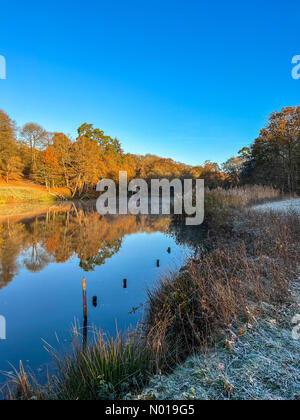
x: 190, y: 80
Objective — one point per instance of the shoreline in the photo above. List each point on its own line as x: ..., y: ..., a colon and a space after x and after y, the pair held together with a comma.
x: 17, y: 210
x: 25, y: 210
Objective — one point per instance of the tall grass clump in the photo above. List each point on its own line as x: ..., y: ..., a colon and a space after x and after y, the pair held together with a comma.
x: 109, y: 368
x: 22, y: 386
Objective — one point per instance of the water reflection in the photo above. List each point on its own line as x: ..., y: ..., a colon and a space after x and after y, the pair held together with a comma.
x: 58, y: 235
x: 45, y: 256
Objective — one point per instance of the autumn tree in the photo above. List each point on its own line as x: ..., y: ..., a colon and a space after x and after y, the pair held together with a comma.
x: 87, y: 167
x: 233, y: 169
x: 13, y: 168
x: 63, y: 148
x: 36, y: 138
x: 211, y: 173
x: 10, y: 161
x: 48, y: 169
x: 275, y: 154
x: 154, y: 167
x: 106, y: 143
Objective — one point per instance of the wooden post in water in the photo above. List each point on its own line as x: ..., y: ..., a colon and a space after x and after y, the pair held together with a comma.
x: 169, y: 250
x: 84, y: 298
x: 125, y: 284
x: 157, y: 263
x: 85, y: 316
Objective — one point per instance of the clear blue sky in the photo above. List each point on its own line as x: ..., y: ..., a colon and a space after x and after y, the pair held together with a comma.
x: 191, y: 80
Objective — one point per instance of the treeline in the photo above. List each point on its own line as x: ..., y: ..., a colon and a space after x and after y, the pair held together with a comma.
x: 56, y: 160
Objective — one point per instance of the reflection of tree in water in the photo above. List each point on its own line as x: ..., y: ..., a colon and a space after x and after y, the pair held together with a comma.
x: 11, y: 239
x: 105, y: 253
x: 37, y: 259
x: 59, y: 235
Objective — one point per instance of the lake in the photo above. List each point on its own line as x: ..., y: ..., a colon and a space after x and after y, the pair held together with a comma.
x: 46, y: 252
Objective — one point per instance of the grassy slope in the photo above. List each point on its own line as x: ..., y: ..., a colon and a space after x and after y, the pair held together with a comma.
x: 20, y: 192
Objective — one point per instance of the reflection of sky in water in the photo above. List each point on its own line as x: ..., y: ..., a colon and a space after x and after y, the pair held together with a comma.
x: 45, y: 297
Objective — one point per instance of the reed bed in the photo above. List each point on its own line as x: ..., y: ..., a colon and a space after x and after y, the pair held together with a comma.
x: 239, y: 197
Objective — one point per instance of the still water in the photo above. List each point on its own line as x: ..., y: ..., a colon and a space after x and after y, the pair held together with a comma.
x: 45, y: 255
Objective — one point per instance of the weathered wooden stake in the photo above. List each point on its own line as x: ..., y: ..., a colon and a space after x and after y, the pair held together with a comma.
x: 125, y: 284
x: 169, y: 250
x: 85, y: 317
x: 95, y: 301
x: 84, y: 298
x: 157, y: 263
